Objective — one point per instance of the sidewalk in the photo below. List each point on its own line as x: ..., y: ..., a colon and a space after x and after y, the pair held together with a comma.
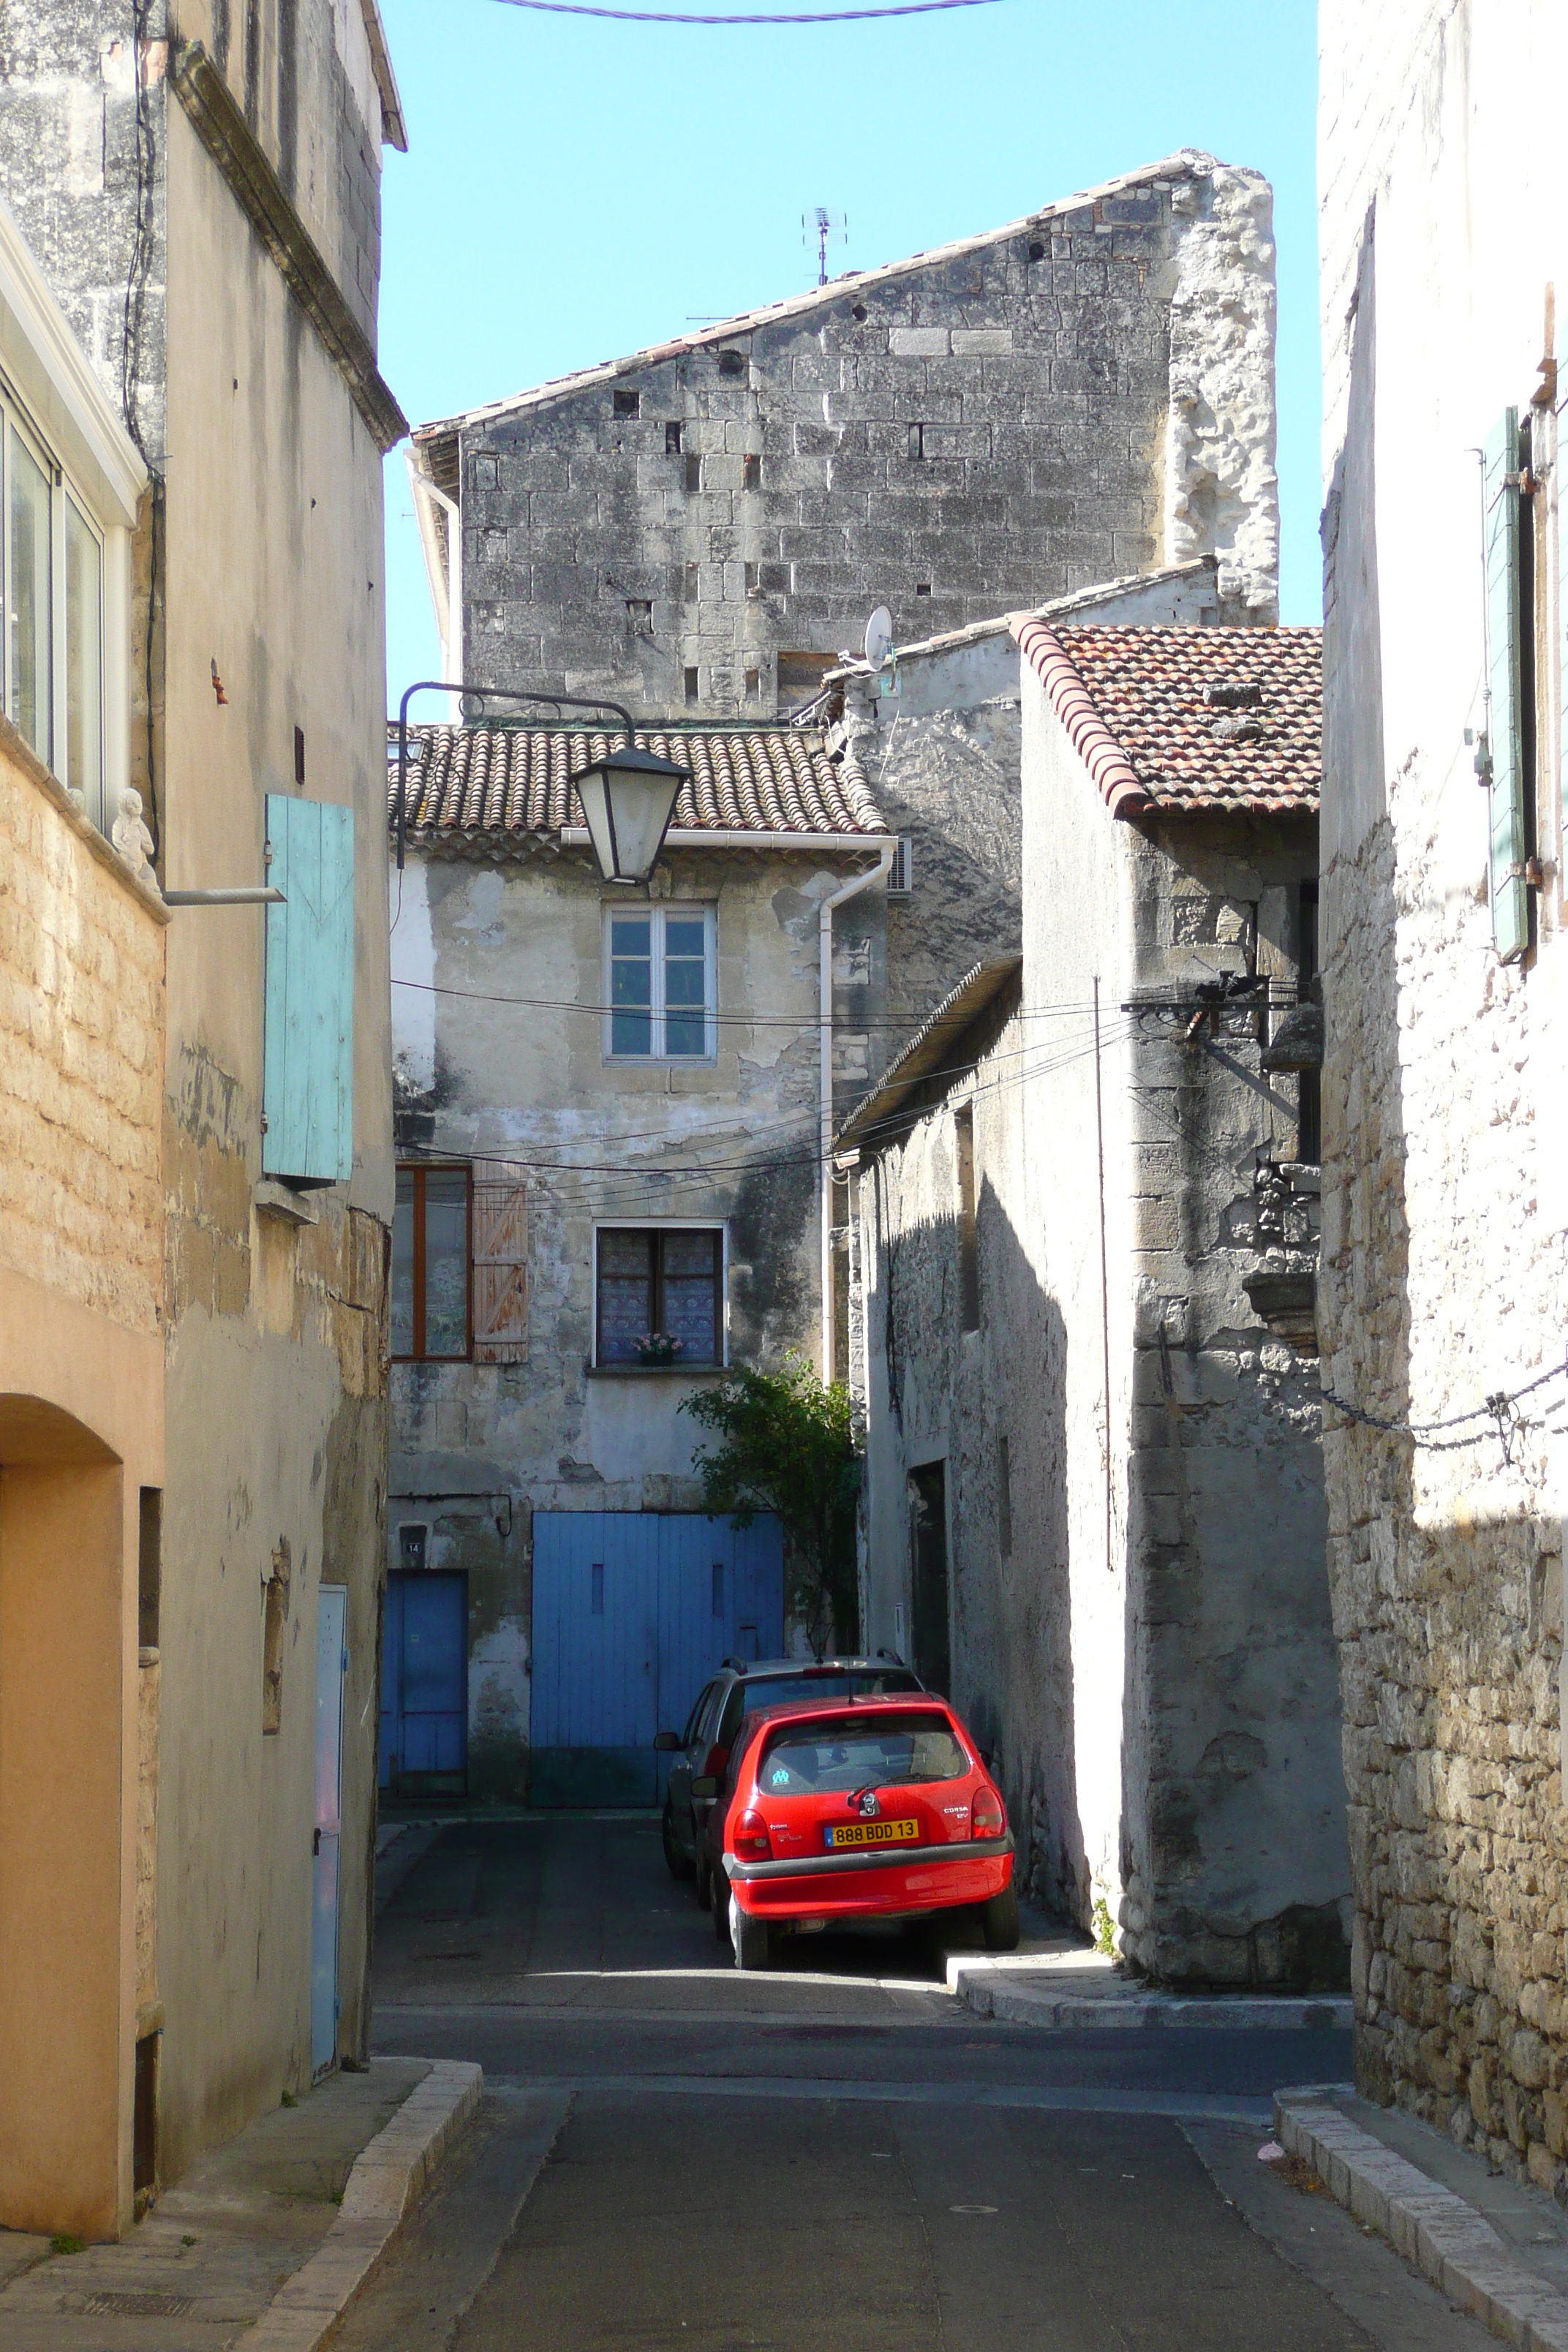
x: 1497, y: 2247
x: 1071, y: 1987
x: 265, y: 2240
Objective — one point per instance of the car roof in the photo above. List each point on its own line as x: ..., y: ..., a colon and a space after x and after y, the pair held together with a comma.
x: 828, y: 1709
x: 804, y: 1668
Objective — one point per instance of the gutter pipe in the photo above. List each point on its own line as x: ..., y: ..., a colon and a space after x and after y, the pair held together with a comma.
x: 850, y: 890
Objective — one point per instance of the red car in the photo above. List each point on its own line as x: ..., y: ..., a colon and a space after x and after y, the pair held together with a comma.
x: 877, y: 1809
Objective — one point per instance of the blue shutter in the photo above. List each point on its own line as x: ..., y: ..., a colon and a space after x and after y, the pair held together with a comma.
x: 307, y: 1070
x: 1511, y: 905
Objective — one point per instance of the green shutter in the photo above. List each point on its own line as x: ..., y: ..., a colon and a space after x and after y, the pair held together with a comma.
x: 308, y: 1070
x: 1510, y: 903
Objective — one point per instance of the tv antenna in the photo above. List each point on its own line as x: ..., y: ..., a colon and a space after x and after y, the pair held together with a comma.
x: 823, y: 228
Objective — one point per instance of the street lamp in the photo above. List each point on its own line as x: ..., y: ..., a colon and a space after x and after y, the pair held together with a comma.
x: 628, y: 797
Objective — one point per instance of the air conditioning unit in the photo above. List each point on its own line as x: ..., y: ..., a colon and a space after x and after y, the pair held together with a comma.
x: 900, y: 874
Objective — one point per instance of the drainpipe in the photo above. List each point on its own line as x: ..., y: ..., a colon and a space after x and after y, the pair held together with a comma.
x: 851, y: 889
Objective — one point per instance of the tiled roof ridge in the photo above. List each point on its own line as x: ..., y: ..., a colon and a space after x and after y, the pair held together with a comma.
x: 506, y: 781
x: 1188, y: 716
x: 1068, y: 696
x: 1187, y: 162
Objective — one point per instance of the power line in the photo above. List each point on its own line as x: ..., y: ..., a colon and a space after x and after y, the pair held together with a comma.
x: 608, y: 1184
x: 668, y: 17
x: 805, y: 1021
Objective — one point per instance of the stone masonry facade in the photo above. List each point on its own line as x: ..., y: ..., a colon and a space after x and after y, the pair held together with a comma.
x: 81, y: 1042
x: 1445, y: 1205
x: 1084, y: 395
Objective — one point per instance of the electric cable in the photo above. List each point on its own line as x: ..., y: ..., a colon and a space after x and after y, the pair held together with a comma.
x: 667, y: 16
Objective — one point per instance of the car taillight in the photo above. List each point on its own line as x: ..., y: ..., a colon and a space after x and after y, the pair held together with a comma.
x: 988, y: 1815
x: 717, y: 1759
x: 750, y: 1837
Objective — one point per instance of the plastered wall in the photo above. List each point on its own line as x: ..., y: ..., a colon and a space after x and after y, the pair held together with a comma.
x: 1140, y: 1607
x: 1445, y: 1222
x: 528, y: 1082
x: 259, y: 567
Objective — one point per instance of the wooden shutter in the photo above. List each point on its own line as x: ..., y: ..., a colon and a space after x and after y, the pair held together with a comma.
x: 308, y: 1059
x: 500, y: 1264
x: 1511, y: 904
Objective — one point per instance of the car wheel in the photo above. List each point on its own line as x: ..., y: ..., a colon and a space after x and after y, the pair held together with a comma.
x: 679, y: 1867
x: 719, y: 1903
x: 999, y: 1921
x: 751, y: 1938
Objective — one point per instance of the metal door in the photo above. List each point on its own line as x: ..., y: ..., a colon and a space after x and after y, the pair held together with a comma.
x: 424, y: 1684
x: 332, y: 1663
x: 632, y: 1613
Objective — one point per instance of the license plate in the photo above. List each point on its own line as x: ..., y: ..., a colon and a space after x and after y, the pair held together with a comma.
x: 874, y: 1833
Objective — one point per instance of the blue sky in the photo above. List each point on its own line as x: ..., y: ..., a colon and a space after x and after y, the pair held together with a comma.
x: 576, y: 189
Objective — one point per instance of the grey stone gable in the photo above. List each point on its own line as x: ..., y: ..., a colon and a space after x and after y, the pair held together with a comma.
x: 706, y: 526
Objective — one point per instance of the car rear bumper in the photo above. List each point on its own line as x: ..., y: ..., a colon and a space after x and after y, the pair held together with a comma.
x: 873, y: 1885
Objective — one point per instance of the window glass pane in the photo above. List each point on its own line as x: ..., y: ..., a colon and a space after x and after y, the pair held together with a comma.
x: 836, y: 1759
x: 685, y: 985
x: 626, y: 1294
x: 691, y: 1294
x: 31, y: 688
x: 84, y: 662
x: 403, y: 1265
x: 631, y: 983
x: 446, y: 1262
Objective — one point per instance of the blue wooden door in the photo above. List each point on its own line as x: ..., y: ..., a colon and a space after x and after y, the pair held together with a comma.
x: 595, y: 1657
x: 632, y: 1613
x: 424, y: 1684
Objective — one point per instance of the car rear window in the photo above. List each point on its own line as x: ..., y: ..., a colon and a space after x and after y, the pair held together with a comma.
x: 831, y: 1758
x: 759, y: 1692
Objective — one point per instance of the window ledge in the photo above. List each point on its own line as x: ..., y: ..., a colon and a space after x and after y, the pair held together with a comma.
x: 276, y: 1200
x: 656, y: 1371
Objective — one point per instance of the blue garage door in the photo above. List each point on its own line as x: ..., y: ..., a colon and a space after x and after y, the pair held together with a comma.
x: 424, y: 1686
x: 632, y: 1613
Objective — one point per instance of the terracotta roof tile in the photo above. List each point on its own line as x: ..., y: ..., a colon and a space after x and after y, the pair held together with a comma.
x: 1187, y: 718
x: 479, y: 783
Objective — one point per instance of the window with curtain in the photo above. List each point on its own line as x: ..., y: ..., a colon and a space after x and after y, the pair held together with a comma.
x: 660, y: 1296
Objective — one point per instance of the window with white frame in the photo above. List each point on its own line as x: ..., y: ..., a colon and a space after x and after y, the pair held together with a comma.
x: 660, y: 983
x: 51, y: 592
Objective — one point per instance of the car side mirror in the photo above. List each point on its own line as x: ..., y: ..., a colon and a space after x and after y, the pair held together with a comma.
x: 666, y: 1742
x: 705, y: 1786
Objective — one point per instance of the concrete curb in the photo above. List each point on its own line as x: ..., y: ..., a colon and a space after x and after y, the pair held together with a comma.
x: 1445, y: 2238
x: 993, y: 1992
x: 388, y: 2180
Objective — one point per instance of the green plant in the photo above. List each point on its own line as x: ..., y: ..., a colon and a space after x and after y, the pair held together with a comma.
x: 1104, y: 1927
x: 289, y: 2100
x: 66, y: 2244
x: 787, y: 1446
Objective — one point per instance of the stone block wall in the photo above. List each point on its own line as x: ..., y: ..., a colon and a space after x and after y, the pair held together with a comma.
x: 82, y: 1043
x: 1085, y: 394
x: 1445, y: 1242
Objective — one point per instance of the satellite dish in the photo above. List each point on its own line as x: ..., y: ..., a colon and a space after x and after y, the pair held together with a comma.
x: 878, y: 637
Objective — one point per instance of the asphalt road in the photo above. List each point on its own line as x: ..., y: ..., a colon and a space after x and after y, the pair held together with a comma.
x: 829, y: 2157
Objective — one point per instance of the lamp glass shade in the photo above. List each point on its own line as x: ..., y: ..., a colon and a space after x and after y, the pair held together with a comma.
x: 628, y: 798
